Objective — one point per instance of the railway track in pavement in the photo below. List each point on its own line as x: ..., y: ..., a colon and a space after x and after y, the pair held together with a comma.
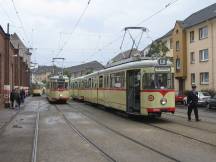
x: 152, y: 125
x: 166, y: 117
x: 126, y: 137
x: 84, y: 137
x: 35, y: 140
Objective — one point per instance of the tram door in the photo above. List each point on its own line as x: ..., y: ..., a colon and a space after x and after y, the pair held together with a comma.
x: 133, y: 91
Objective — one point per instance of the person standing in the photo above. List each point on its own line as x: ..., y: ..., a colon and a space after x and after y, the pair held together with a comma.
x: 192, y: 101
x: 17, y: 98
x: 12, y: 97
x: 22, y: 95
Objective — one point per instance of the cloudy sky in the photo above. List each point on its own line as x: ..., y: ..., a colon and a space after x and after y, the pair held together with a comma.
x: 49, y: 25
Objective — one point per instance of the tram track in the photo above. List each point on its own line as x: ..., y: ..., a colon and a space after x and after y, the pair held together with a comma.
x: 204, y: 116
x: 158, y: 127
x: 180, y: 116
x: 186, y: 125
x: 84, y: 137
x: 35, y: 140
x: 129, y: 138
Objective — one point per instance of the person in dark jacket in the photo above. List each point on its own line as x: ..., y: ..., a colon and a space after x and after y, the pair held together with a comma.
x: 12, y: 98
x: 192, y: 101
x: 17, y: 98
x: 22, y: 95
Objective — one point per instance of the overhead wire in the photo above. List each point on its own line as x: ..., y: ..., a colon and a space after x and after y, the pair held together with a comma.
x: 21, y: 22
x: 5, y: 12
x: 74, y: 29
x: 138, y: 24
x: 157, y: 12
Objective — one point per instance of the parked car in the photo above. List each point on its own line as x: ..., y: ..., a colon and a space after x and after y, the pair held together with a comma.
x: 211, y: 103
x: 179, y: 98
x: 203, y: 97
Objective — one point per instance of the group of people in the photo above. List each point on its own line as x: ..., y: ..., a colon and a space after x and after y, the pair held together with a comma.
x: 17, y: 97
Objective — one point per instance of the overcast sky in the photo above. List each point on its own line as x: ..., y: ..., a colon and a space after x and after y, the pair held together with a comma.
x: 48, y: 25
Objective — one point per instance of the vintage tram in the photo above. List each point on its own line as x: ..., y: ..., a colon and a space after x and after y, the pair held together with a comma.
x: 143, y: 87
x: 37, y: 89
x: 58, y: 89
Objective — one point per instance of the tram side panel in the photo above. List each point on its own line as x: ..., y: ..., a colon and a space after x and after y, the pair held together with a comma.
x: 116, y: 98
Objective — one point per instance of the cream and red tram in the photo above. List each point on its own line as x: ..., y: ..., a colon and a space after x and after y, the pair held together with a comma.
x: 58, y: 89
x: 142, y: 87
x: 37, y: 89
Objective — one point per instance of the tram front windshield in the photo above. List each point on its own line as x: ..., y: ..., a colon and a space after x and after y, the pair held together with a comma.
x: 62, y: 85
x: 158, y: 81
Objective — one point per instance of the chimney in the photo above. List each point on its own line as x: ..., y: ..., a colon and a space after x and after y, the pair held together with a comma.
x: 8, y: 27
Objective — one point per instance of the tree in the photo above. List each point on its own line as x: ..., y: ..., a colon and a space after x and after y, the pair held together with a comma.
x: 158, y: 49
x: 67, y: 72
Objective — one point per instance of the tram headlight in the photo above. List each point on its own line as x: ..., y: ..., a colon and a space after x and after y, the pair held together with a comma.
x: 163, y: 101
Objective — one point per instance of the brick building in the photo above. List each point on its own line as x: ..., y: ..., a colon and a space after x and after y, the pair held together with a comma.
x: 14, y: 65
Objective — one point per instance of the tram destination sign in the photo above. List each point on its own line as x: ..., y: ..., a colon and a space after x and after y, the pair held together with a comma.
x: 162, y: 69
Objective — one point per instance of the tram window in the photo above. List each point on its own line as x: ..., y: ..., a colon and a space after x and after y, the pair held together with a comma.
x: 106, y: 81
x: 60, y: 85
x: 101, y: 82
x: 157, y: 81
x: 75, y: 85
x: 89, y: 83
x: 117, y: 80
x: 66, y: 85
x: 94, y: 83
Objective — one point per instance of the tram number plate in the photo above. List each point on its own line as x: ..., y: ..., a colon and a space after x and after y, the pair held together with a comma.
x: 162, y: 69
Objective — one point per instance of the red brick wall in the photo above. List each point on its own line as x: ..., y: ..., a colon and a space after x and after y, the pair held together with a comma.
x: 2, y: 55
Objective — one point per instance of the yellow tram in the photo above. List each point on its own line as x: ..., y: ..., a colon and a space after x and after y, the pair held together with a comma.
x: 37, y: 89
x: 58, y: 89
x: 143, y: 87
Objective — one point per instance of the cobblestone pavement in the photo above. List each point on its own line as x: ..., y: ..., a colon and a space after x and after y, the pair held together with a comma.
x: 80, y: 132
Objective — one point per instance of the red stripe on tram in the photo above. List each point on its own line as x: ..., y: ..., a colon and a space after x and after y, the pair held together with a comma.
x: 161, y: 91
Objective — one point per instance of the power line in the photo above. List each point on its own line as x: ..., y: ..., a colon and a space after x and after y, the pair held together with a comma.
x: 75, y: 27
x: 5, y: 12
x: 141, y: 22
x: 20, y: 20
x: 157, y: 12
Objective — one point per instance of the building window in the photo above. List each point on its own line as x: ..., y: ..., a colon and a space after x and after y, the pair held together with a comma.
x: 192, y: 58
x: 203, y: 55
x: 203, y: 32
x: 192, y: 78
x: 191, y: 36
x: 178, y: 64
x: 177, y: 46
x: 204, y: 78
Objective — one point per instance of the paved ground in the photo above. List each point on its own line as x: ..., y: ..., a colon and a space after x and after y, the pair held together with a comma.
x: 78, y: 132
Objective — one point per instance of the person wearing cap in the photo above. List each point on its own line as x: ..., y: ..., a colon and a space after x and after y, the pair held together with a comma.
x: 192, y: 101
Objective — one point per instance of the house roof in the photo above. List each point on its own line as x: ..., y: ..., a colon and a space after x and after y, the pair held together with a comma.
x: 200, y: 16
x: 125, y: 55
x: 94, y: 65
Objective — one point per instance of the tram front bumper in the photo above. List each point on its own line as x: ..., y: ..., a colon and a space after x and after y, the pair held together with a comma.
x: 160, y: 110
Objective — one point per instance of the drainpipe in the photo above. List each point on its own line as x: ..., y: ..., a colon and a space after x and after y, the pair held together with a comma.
x: 212, y: 44
x: 7, y: 73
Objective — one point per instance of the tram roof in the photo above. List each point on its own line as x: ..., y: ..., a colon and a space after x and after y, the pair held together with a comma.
x: 130, y: 65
